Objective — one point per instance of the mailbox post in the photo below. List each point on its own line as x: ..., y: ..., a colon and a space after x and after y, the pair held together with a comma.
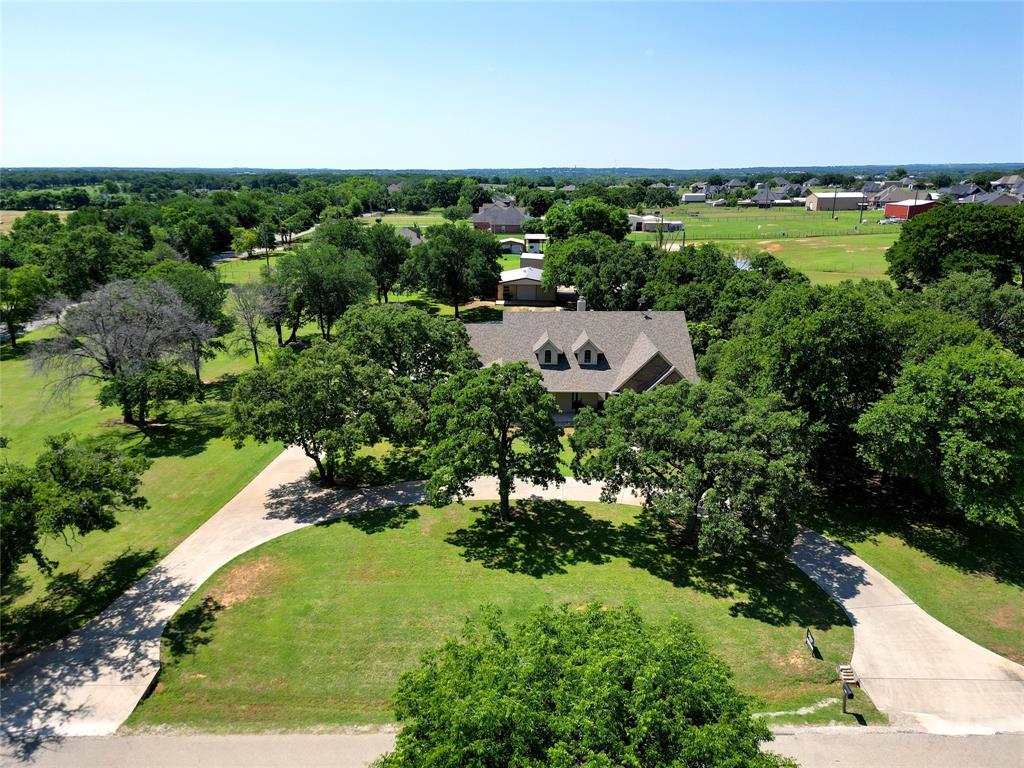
x: 847, y: 694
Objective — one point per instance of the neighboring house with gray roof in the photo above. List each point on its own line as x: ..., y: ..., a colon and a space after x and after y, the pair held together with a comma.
x: 587, y: 357
x: 499, y: 218
x: 412, y: 235
x: 962, y: 190
x: 997, y: 199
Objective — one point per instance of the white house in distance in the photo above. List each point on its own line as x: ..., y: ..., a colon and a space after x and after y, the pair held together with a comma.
x: 587, y: 357
x: 651, y: 223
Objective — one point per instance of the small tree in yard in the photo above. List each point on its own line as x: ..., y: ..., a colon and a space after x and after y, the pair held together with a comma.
x: 71, y: 489
x: 594, y: 687
x: 243, y: 240
x: 324, y: 400
x: 130, y: 336
x: 455, y: 263
x: 711, y: 462
x: 491, y: 421
x: 22, y: 292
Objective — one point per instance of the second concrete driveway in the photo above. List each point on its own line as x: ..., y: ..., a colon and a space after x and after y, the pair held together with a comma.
x: 917, y: 670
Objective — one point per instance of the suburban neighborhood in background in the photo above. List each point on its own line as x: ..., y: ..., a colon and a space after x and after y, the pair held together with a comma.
x: 436, y: 458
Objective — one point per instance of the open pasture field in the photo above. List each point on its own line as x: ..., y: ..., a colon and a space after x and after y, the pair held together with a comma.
x: 827, y: 259
x: 423, y: 220
x: 702, y: 222
x: 7, y: 218
x: 314, y: 629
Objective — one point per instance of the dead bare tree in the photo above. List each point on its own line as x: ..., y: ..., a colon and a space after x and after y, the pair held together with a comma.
x: 251, y: 303
x: 131, y: 336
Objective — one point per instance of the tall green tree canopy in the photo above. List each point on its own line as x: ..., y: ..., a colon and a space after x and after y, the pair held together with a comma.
x: 959, y: 238
x: 330, y: 282
x: 584, y: 216
x: 386, y: 251
x: 491, y: 421
x: 955, y: 424
x: 975, y: 297
x: 325, y: 400
x: 713, y: 463
x: 827, y: 349
x: 455, y: 263
x: 593, y: 687
x: 610, y: 275
x: 73, y: 488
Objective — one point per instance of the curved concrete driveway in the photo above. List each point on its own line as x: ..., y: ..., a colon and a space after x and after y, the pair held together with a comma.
x: 89, y: 682
x: 918, y: 671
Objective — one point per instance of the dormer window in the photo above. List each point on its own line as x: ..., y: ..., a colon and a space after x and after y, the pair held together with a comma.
x: 586, y: 351
x: 546, y: 350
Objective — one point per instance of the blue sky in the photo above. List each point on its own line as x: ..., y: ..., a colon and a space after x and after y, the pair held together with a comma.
x: 680, y: 85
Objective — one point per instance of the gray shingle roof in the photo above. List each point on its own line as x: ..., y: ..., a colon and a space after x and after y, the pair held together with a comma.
x: 623, y: 338
x: 499, y: 214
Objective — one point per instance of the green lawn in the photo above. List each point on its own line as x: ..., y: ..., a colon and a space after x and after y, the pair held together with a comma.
x: 195, y: 471
x: 831, y: 259
x: 969, y: 578
x: 313, y: 629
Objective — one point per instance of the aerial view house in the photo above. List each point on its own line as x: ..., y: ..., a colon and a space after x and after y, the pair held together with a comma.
x: 766, y: 198
x: 587, y: 357
x: 998, y: 199
x: 961, y: 190
x: 499, y: 219
x: 735, y: 184
x: 834, y: 201
x: 1008, y: 182
x: 414, y: 236
x: 523, y: 286
x: 651, y: 223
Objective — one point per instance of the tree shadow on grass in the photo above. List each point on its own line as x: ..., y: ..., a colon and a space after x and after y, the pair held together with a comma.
x: 183, y: 435
x: 190, y: 629
x: 69, y: 601
x: 860, y: 512
x: 544, y: 538
x: 379, y: 520
x: 396, y: 466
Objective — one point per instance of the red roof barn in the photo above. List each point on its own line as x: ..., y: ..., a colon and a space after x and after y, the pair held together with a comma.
x: 907, y: 209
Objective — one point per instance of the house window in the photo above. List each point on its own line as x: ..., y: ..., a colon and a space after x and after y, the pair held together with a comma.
x: 586, y: 357
x: 547, y: 356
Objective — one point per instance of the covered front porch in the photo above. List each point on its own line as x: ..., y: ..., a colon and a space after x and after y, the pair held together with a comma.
x: 570, y: 403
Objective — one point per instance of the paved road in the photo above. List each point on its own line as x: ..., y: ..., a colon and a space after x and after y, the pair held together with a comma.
x: 811, y: 747
x: 87, y: 684
x: 918, y: 671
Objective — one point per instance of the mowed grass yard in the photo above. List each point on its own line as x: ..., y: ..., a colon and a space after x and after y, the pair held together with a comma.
x: 313, y: 629
x: 195, y: 471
